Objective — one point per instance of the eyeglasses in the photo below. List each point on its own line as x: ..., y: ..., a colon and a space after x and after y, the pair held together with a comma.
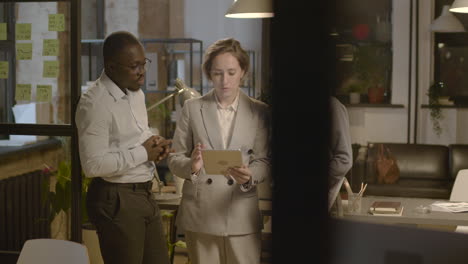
x: 139, y: 66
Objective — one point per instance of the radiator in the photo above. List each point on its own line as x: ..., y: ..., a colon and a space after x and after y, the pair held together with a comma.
x: 23, y: 215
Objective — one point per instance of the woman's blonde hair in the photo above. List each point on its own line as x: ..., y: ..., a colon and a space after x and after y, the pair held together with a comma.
x: 227, y: 45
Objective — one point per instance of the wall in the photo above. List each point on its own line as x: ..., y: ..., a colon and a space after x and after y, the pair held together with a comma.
x: 88, y: 19
x: 123, y: 14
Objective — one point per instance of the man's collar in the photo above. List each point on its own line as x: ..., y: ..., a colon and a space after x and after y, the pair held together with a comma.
x: 113, y: 89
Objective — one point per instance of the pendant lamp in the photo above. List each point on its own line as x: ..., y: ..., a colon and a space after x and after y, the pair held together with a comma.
x: 459, y: 6
x: 447, y: 22
x: 250, y: 9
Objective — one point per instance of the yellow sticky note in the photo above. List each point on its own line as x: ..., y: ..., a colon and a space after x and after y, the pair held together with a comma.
x: 3, y: 69
x: 56, y: 22
x: 23, y: 31
x: 3, y: 31
x: 50, y: 47
x: 51, y: 69
x: 23, y: 51
x: 43, y: 93
x: 23, y: 92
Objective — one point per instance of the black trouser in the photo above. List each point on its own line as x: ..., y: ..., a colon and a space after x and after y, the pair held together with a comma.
x: 128, y: 222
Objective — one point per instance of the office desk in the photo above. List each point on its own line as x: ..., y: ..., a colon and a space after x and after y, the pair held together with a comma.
x: 409, y: 215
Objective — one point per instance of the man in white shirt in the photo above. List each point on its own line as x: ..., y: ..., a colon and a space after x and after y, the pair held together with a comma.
x: 118, y: 150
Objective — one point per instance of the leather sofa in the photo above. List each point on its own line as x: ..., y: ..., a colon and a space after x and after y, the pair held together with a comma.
x: 426, y: 171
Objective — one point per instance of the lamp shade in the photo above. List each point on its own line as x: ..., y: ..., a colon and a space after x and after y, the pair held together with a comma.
x: 447, y: 22
x: 250, y: 9
x: 459, y: 6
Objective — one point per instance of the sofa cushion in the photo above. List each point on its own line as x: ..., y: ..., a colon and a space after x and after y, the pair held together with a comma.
x: 416, y: 161
x: 458, y: 159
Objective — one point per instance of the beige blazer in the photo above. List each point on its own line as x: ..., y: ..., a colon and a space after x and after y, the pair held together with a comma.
x: 210, y: 204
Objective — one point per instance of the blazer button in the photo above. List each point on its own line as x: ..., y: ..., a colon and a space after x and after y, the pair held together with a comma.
x: 209, y: 181
x: 250, y: 151
x: 230, y: 182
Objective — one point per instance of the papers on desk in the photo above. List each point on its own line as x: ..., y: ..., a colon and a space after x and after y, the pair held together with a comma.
x: 25, y: 114
x: 453, y: 207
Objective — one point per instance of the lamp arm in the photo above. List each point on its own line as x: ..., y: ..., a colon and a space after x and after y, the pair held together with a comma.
x: 164, y: 100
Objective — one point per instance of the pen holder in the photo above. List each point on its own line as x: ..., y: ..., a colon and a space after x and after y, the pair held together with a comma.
x: 354, y: 203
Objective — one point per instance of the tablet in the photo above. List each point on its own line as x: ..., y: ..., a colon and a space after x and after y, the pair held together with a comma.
x: 218, y: 161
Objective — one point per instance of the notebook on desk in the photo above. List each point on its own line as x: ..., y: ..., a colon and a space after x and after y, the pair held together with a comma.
x: 385, y: 206
x: 399, y: 212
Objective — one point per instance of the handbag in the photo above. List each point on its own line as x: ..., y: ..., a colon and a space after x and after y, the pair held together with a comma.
x: 386, y: 164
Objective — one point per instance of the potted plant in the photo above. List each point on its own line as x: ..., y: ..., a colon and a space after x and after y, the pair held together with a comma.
x: 354, y: 88
x: 59, y: 197
x: 372, y: 64
x: 434, y: 93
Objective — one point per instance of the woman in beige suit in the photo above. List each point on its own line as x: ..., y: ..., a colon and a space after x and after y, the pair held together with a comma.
x: 219, y: 213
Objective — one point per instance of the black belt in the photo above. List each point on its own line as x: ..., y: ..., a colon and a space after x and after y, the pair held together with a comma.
x: 130, y: 185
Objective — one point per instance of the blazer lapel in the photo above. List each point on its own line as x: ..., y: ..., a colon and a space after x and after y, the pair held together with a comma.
x: 243, y: 122
x: 210, y: 121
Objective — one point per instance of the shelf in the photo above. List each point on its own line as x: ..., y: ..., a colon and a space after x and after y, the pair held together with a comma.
x: 446, y: 106
x: 376, y: 105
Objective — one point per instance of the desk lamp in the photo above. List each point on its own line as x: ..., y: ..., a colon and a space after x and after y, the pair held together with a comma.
x: 183, y: 91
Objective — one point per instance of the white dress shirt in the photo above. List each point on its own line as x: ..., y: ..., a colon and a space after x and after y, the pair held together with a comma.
x: 112, y: 127
x: 226, y: 117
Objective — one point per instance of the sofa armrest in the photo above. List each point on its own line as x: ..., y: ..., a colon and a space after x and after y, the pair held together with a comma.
x: 458, y: 156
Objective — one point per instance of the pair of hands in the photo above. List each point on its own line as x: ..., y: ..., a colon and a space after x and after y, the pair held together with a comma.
x: 240, y: 174
x: 158, y: 148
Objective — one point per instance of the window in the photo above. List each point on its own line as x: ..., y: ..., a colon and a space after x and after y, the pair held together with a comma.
x: 364, y: 50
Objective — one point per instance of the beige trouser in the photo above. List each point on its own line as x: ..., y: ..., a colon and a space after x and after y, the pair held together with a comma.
x: 242, y: 249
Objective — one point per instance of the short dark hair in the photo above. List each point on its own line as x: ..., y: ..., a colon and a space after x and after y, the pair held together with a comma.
x: 227, y: 45
x: 116, y: 42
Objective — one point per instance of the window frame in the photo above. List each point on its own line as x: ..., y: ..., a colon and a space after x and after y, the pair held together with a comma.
x: 68, y: 130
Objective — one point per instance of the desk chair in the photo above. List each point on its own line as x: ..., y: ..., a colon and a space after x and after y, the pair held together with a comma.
x: 53, y: 251
x: 459, y: 193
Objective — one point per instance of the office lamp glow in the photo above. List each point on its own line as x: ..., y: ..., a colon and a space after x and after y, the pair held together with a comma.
x: 250, y: 9
x: 459, y: 6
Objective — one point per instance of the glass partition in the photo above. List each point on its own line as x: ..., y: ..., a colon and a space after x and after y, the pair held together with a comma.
x: 35, y: 63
